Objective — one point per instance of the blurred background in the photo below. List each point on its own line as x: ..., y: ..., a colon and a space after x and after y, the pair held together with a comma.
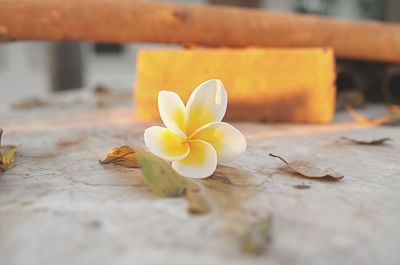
x: 32, y: 69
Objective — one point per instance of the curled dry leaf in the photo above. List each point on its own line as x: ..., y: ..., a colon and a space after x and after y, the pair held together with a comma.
x: 123, y: 156
x: 29, y: 104
x: 256, y: 238
x: 380, y: 141
x: 197, y: 204
x: 159, y: 176
x: 102, y: 90
x: 7, y: 155
x: 310, y: 170
x: 391, y: 119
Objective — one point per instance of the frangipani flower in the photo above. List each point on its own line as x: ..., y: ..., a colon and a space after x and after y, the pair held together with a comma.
x: 194, y: 138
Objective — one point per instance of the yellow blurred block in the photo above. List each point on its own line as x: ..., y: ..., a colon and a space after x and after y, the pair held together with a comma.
x: 277, y: 85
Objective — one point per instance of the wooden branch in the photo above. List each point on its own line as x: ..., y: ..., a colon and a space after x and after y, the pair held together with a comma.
x: 122, y: 21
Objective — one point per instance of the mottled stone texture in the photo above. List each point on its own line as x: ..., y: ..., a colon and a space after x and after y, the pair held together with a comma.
x: 58, y: 205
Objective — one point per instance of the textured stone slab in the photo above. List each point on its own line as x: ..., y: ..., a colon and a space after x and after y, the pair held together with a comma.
x: 58, y: 205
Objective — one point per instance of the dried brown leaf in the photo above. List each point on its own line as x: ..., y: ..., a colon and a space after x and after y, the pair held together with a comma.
x: 102, y: 90
x: 123, y: 156
x: 1, y: 135
x: 7, y: 155
x: 64, y: 143
x: 105, y: 91
x: 379, y: 141
x: 393, y: 108
x: 32, y: 103
x: 301, y: 186
x: 309, y: 170
x: 390, y: 119
x: 256, y: 238
x: 197, y: 204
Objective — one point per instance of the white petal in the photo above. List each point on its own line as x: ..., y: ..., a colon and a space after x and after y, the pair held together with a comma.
x: 172, y: 111
x: 228, y: 142
x: 165, y: 144
x: 200, y: 163
x: 206, y: 104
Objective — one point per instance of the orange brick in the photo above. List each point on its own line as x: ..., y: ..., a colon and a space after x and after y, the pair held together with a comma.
x: 285, y: 85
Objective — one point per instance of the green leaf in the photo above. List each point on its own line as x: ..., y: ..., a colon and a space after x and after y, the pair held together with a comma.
x: 161, y: 178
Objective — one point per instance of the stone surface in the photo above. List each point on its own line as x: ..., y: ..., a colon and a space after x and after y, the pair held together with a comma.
x: 58, y: 205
